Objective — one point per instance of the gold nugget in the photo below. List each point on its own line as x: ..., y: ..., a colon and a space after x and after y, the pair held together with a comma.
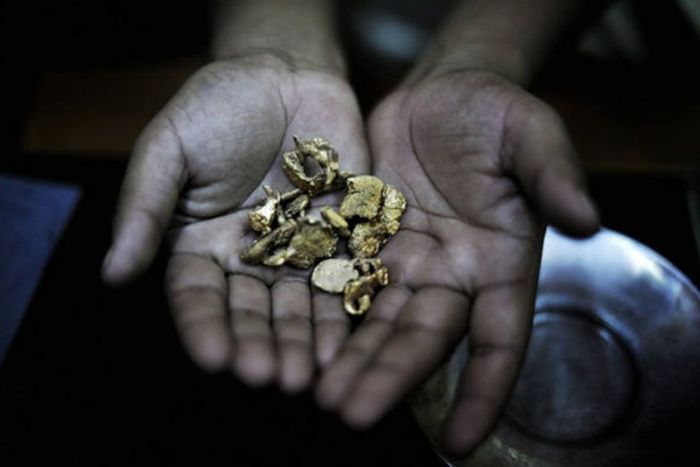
x: 367, y: 265
x: 364, y: 197
x: 332, y: 274
x: 336, y: 221
x: 369, y: 215
x: 261, y: 218
x: 313, y: 240
x: 357, y: 293
x: 318, y: 150
x: 261, y: 248
x: 368, y: 238
x: 297, y: 207
x: 357, y: 279
x: 393, y: 207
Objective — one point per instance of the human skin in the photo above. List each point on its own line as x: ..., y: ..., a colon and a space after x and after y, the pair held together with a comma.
x: 485, y: 166
x: 201, y: 163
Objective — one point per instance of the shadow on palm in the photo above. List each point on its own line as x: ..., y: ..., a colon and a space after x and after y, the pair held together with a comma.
x: 467, y: 255
x: 198, y: 168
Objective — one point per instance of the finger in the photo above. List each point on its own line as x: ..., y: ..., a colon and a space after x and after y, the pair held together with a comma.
x: 499, y: 328
x: 196, y: 291
x: 431, y: 324
x: 358, y: 351
x: 539, y: 152
x: 331, y: 327
x: 249, y: 302
x: 291, y: 319
x: 148, y: 197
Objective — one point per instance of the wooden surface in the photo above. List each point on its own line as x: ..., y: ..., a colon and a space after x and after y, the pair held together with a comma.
x: 99, y: 112
x: 629, y: 134
x: 623, y: 129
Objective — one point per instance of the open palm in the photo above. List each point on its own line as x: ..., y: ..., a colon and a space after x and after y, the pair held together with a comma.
x: 197, y: 169
x: 484, y: 166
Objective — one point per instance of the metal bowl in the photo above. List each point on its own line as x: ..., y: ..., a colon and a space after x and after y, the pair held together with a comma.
x: 612, y: 372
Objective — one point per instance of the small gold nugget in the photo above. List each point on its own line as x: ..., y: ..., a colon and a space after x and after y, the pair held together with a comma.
x: 262, y: 218
x: 393, y: 206
x: 320, y: 151
x: 297, y: 207
x: 312, y: 241
x: 357, y: 293
x: 356, y: 279
x: 369, y: 215
x: 364, y: 197
x: 261, y: 248
x: 368, y: 238
x: 269, y: 211
x: 332, y: 274
x: 338, y: 222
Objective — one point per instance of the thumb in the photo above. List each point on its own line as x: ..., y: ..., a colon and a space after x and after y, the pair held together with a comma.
x: 541, y: 157
x: 154, y: 177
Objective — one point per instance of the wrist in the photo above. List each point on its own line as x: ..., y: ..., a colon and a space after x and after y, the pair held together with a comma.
x: 299, y: 32
x: 500, y: 58
x: 282, y: 60
x: 508, y: 37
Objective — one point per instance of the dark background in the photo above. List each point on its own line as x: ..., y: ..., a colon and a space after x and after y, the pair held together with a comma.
x: 98, y: 376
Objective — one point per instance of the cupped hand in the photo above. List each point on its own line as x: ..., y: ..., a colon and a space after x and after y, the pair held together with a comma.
x: 197, y: 169
x: 484, y: 166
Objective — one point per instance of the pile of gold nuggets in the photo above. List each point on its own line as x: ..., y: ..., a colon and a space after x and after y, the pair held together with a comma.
x: 369, y: 215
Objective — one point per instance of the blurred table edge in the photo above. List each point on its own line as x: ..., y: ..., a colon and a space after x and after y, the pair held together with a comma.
x: 99, y: 112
